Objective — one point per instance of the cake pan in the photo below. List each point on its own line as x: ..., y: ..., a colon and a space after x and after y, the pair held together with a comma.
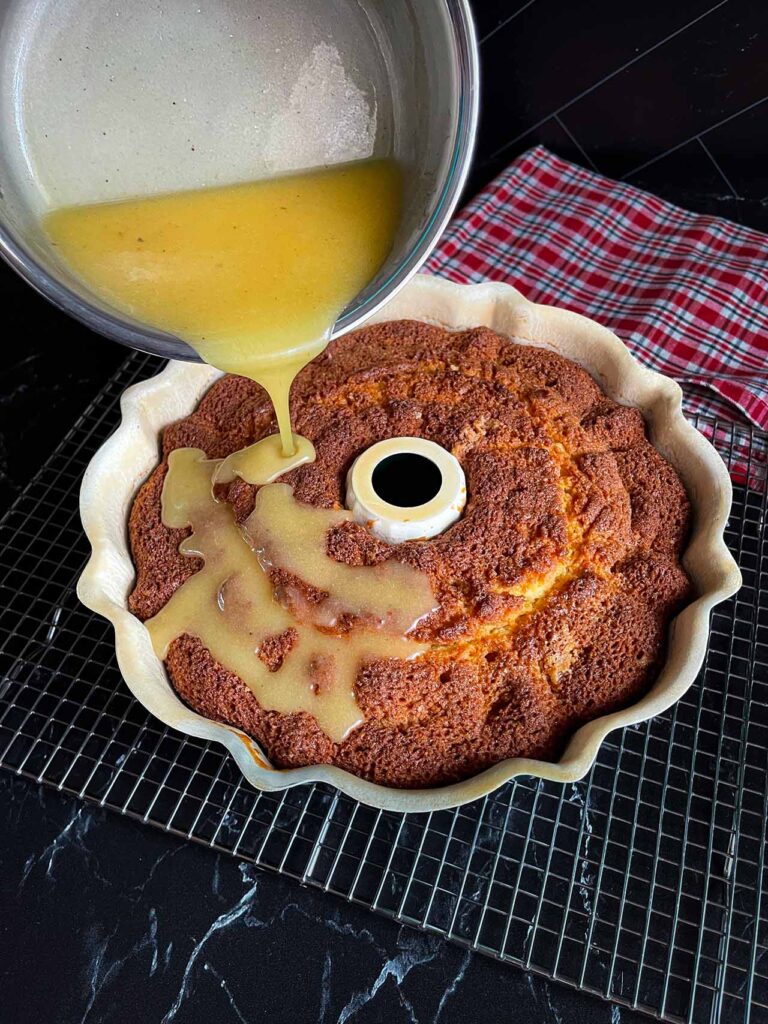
x: 131, y: 453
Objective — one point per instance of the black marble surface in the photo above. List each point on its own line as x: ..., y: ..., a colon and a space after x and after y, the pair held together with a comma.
x: 103, y: 919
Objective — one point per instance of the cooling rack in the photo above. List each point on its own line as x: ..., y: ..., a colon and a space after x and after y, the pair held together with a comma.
x: 645, y: 883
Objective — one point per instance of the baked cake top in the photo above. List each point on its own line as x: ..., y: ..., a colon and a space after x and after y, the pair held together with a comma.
x: 554, y: 588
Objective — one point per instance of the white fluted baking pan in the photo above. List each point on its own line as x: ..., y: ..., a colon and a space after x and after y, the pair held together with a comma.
x: 131, y: 453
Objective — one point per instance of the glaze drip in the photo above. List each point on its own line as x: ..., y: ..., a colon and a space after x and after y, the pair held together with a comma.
x: 358, y: 615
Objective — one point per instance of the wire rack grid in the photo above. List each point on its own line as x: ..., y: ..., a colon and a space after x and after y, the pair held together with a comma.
x: 645, y: 883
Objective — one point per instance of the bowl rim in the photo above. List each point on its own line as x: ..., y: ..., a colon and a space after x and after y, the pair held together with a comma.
x: 122, y: 463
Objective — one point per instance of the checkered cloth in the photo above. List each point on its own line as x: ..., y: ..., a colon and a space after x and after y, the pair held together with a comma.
x: 687, y: 293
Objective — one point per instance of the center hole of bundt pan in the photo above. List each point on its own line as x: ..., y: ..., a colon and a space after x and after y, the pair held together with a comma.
x: 407, y: 479
x: 406, y: 488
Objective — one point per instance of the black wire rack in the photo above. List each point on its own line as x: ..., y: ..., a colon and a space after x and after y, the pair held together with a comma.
x: 644, y: 883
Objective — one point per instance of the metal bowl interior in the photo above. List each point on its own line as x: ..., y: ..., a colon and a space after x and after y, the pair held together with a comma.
x: 124, y: 461
x: 431, y: 59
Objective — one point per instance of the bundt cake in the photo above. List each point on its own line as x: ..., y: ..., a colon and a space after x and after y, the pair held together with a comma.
x: 554, y: 590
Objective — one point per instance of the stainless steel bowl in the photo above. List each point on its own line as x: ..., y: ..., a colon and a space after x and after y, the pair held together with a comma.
x: 432, y: 60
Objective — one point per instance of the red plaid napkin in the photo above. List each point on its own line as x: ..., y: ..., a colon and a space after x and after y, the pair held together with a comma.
x: 687, y: 293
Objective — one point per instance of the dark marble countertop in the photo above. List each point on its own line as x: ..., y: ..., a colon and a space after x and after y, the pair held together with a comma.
x: 103, y: 919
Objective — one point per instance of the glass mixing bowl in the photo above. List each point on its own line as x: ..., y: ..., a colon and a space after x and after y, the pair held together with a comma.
x: 432, y: 64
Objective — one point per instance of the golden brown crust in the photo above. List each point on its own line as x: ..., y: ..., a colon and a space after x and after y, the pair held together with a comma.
x: 555, y: 587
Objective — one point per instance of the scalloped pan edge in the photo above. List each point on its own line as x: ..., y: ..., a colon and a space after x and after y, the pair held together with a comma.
x: 129, y: 455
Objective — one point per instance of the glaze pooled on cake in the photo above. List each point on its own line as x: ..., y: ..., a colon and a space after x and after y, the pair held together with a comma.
x: 231, y: 606
x: 554, y: 589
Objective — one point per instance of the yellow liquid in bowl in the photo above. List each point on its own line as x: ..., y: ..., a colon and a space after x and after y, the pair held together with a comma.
x: 253, y: 276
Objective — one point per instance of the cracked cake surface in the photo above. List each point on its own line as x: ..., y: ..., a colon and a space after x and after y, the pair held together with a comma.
x: 554, y: 589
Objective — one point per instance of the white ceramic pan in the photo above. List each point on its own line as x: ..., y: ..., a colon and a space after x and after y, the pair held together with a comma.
x: 126, y: 459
